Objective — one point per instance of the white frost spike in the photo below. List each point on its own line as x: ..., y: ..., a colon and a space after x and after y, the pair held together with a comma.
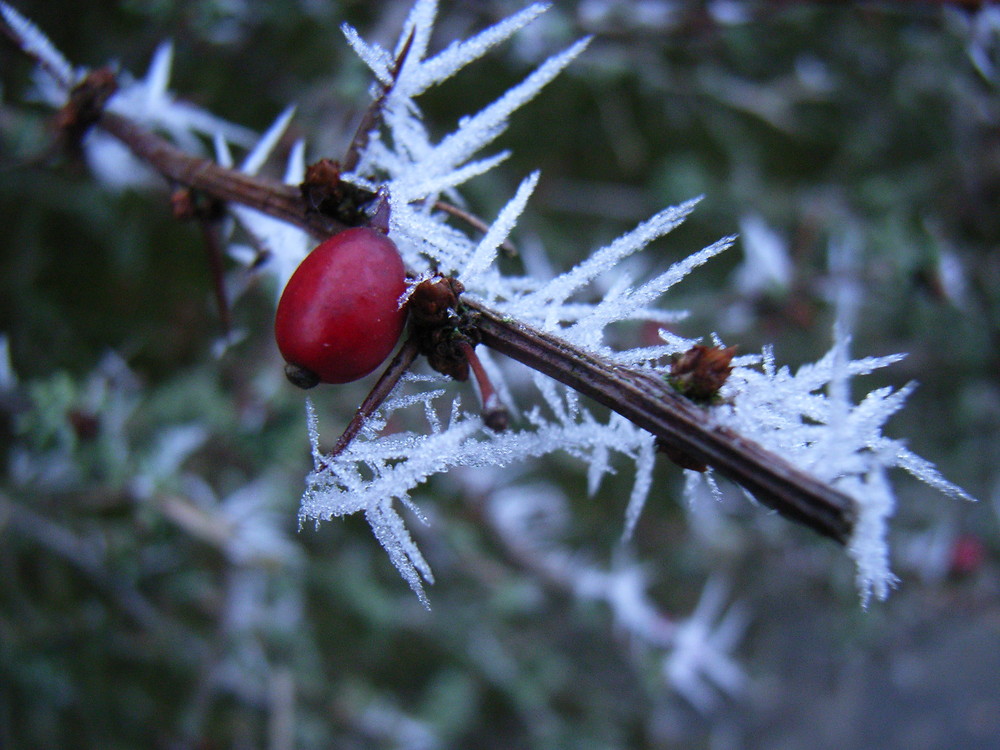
x: 286, y: 243
x: 158, y: 75
x: 484, y: 254
x: 868, y: 546
x: 766, y: 266
x: 35, y: 43
x: 480, y: 129
x: 644, y: 464
x: 263, y: 148
x: 223, y: 155
x: 295, y: 170
x: 924, y: 470
x: 560, y: 288
x: 419, y: 23
x: 700, y: 662
x: 417, y: 186
x: 375, y: 57
x: 391, y: 533
x: 149, y: 101
x: 457, y: 55
x: 631, y: 303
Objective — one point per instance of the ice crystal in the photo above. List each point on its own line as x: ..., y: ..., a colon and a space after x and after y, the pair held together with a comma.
x: 700, y: 664
x: 285, y: 244
x: 810, y: 419
x: 52, y: 65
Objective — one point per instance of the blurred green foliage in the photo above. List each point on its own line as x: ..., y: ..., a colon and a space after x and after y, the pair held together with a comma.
x: 129, y: 618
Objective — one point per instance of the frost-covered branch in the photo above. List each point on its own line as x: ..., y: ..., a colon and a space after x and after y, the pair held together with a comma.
x: 650, y: 404
x: 796, y: 443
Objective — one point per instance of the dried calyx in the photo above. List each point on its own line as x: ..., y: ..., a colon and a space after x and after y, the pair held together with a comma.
x: 701, y: 371
x: 325, y: 193
x: 445, y: 332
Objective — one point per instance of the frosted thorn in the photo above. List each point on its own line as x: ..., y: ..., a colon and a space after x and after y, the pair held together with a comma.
x: 475, y: 222
x: 373, y: 115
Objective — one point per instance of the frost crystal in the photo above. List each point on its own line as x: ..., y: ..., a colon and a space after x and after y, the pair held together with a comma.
x: 285, y: 244
x: 806, y: 417
x: 52, y: 64
x: 695, y: 652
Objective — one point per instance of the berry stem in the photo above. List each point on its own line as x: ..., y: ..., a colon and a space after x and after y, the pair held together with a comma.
x: 379, y: 393
x: 494, y: 413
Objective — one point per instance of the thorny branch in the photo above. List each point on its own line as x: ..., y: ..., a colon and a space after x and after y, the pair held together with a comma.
x: 648, y: 402
x: 653, y: 405
x: 641, y: 398
x: 267, y: 196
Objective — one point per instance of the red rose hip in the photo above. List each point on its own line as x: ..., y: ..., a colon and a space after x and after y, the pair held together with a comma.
x: 339, y: 315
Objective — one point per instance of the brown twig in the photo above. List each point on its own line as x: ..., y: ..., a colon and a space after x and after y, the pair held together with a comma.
x: 267, y: 196
x: 379, y: 393
x: 654, y: 406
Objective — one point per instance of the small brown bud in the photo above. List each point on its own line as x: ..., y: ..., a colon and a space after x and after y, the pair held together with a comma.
x: 84, y: 106
x: 432, y: 300
x: 325, y: 193
x: 700, y: 372
x: 321, y: 188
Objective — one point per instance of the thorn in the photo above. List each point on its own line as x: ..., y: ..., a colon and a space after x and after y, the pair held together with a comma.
x: 373, y: 115
x: 379, y: 219
x: 184, y: 205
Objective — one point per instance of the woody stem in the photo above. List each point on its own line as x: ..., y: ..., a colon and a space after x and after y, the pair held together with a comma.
x: 378, y: 394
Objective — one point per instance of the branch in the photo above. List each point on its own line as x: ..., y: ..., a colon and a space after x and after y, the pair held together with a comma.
x: 654, y: 406
x: 267, y: 196
x: 639, y: 397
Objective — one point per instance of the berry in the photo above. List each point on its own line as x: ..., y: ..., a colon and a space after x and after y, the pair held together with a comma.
x: 339, y: 315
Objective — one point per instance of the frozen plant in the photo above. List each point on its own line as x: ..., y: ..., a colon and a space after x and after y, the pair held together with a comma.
x: 834, y: 457
x: 822, y: 432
